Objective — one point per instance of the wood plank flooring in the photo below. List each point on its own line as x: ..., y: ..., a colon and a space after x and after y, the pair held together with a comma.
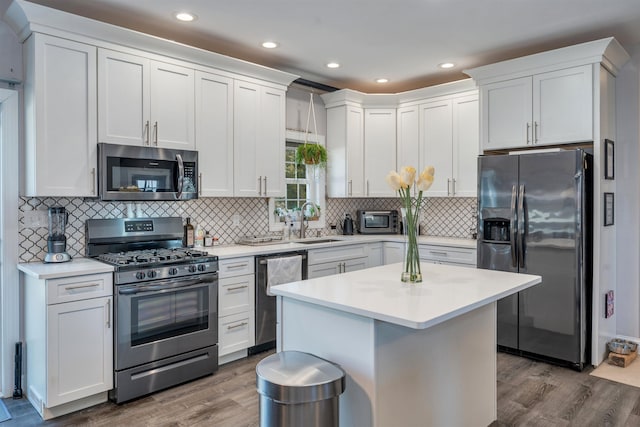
x: 530, y: 393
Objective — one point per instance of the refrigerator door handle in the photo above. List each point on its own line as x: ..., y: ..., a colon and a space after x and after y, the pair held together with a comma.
x: 512, y: 228
x: 521, y: 227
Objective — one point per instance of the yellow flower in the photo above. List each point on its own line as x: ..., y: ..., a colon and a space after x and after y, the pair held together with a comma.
x: 425, y: 179
x: 408, y: 175
x: 394, y: 180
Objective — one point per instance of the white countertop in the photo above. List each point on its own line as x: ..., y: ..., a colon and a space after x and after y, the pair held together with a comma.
x: 233, y: 251
x: 75, y: 267
x: 378, y: 293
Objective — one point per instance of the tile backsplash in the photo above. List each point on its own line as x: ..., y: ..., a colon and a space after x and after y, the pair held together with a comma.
x: 447, y: 217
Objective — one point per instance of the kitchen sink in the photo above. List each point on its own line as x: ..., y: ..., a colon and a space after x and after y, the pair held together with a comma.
x: 309, y: 242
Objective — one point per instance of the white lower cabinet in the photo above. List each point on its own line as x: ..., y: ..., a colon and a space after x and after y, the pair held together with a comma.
x: 464, y: 257
x: 68, y: 342
x: 328, y: 261
x: 393, y: 252
x: 236, y: 308
x: 376, y: 255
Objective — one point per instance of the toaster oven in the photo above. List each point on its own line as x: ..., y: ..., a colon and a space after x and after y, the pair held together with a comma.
x: 378, y: 222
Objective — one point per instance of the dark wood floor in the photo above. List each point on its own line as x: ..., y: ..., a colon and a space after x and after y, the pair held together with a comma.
x: 530, y: 393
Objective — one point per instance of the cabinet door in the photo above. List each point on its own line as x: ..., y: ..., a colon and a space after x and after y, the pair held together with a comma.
x: 79, y: 350
x: 214, y: 134
x: 271, y: 141
x: 408, y: 137
x: 123, y: 98
x: 246, y: 106
x: 60, y: 117
x: 324, y: 269
x: 563, y: 106
x: 236, y: 294
x: 466, y: 146
x: 354, y: 265
x: 379, y: 150
x: 506, y: 114
x: 355, y: 152
x: 172, y: 106
x: 375, y: 256
x: 236, y: 332
x: 393, y: 252
x: 436, y: 133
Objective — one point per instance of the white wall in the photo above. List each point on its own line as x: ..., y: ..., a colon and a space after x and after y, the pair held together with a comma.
x: 627, y: 198
x: 298, y: 109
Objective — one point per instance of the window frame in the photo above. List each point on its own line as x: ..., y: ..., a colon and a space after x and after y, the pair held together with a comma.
x: 320, y: 200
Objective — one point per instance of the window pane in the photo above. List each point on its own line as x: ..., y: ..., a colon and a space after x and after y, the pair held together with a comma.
x: 292, y: 191
x: 290, y: 170
x: 302, y: 170
x: 303, y: 192
x: 279, y: 203
x: 292, y: 204
x: 290, y: 155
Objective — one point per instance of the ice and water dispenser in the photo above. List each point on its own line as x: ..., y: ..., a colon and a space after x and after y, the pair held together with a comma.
x: 496, y: 230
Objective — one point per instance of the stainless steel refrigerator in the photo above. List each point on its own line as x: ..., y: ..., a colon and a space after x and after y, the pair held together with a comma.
x: 534, y: 216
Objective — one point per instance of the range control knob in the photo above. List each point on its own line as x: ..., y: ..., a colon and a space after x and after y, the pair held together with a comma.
x: 192, y: 269
x: 151, y: 274
x: 173, y: 271
x: 202, y: 267
x: 140, y: 275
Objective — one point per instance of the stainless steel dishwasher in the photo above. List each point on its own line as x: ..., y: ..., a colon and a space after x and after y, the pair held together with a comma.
x: 266, y: 304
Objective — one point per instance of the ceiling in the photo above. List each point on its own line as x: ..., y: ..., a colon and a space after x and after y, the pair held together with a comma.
x: 401, y: 40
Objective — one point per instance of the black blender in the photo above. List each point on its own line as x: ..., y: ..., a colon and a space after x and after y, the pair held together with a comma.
x: 57, y: 241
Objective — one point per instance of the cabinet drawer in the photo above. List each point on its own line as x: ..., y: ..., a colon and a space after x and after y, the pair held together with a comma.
x: 235, y: 267
x: 79, y: 287
x: 235, y: 332
x: 448, y: 255
x: 341, y: 253
x: 235, y: 294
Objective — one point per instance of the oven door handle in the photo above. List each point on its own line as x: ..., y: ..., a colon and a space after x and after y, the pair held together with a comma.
x: 165, y: 285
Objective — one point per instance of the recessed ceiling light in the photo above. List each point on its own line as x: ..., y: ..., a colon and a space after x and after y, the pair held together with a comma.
x: 447, y: 65
x: 185, y: 16
x: 382, y: 80
x: 270, y: 45
x: 333, y: 65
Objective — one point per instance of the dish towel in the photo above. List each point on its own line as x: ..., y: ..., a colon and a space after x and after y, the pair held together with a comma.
x: 283, y: 270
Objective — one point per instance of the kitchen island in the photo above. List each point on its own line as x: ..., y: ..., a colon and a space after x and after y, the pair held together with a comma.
x: 415, y: 355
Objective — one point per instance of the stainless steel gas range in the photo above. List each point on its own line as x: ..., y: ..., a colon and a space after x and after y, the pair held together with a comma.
x: 166, y: 303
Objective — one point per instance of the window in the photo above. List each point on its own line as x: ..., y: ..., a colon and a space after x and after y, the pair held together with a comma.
x: 302, y: 185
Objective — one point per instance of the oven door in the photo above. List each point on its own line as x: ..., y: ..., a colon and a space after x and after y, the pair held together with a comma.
x: 146, y: 173
x: 155, y: 320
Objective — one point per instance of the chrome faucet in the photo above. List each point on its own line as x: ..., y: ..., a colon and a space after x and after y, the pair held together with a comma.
x: 302, y: 227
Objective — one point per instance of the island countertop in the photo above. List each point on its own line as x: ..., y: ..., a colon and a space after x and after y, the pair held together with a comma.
x: 445, y: 292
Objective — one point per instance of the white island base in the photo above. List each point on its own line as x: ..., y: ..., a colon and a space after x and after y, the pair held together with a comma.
x: 415, y: 355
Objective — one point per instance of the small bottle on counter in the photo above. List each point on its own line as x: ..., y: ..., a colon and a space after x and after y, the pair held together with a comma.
x: 189, y: 234
x: 199, y: 237
x: 208, y: 239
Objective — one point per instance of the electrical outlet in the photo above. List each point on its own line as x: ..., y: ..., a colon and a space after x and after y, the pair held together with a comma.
x: 35, y: 219
x: 235, y: 220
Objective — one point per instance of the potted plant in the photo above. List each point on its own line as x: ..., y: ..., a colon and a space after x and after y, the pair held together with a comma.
x: 312, y: 154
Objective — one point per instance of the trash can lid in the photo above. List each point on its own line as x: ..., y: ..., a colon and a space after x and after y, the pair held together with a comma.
x: 297, y: 377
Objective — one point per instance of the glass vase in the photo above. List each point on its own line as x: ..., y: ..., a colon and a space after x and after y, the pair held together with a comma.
x: 411, y: 267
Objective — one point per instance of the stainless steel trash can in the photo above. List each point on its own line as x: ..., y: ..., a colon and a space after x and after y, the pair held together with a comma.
x: 299, y: 389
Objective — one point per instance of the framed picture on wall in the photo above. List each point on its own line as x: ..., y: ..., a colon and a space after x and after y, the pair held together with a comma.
x: 609, y: 159
x: 608, y: 209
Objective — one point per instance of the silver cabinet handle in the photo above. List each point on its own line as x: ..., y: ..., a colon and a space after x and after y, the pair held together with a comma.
x: 235, y: 288
x: 238, y: 265
x: 239, y: 325
x: 535, y: 132
x: 146, y: 134
x: 440, y: 253
x: 200, y: 184
x: 453, y: 187
x: 448, y: 186
x: 260, y: 186
x: 72, y: 288
x: 527, y: 131
x: 265, y: 185
x: 93, y: 181
x: 109, y: 314
x: 155, y: 133
x: 350, y: 189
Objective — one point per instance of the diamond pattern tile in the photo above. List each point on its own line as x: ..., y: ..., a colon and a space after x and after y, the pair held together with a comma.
x: 446, y: 217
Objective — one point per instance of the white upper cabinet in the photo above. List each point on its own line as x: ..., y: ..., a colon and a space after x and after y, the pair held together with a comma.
x: 259, y: 140
x: 379, y: 150
x: 466, y: 145
x: 345, y: 148
x: 408, y: 136
x: 214, y: 134
x: 60, y: 117
x: 549, y: 108
x: 145, y: 102
x: 436, y: 130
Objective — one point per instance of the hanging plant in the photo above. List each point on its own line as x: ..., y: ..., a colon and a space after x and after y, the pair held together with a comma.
x: 311, y: 153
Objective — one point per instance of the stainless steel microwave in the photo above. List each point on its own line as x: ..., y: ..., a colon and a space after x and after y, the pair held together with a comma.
x: 127, y: 172
x: 378, y: 222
